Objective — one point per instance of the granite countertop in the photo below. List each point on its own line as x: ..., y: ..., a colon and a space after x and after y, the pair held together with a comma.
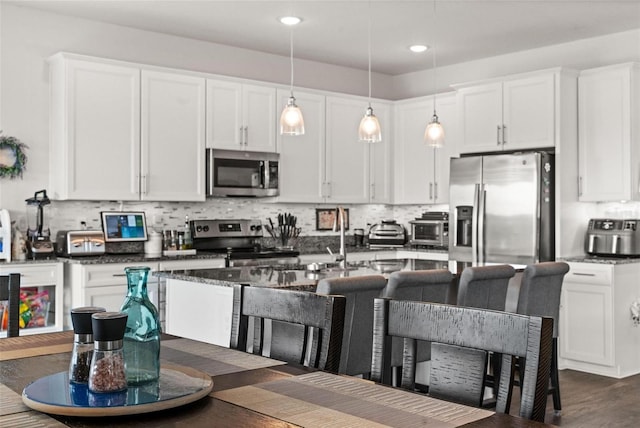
x: 601, y: 260
x: 136, y: 258
x: 297, y: 277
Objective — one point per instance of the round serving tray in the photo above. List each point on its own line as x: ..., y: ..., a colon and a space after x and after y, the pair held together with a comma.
x: 177, y: 386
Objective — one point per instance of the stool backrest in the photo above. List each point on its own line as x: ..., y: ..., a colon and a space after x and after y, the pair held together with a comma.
x: 359, y: 292
x: 540, y: 291
x: 485, y: 286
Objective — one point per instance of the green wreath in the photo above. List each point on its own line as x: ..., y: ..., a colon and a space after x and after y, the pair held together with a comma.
x: 17, y: 156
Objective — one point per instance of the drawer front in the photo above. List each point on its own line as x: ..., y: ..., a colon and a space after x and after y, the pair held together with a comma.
x: 590, y: 273
x: 35, y: 274
x: 110, y: 274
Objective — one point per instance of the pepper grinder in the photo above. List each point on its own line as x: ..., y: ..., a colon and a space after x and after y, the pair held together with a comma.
x: 82, y: 343
x: 107, y: 364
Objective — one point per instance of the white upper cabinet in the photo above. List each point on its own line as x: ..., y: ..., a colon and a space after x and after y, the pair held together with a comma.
x: 95, y: 130
x: 422, y: 172
x: 173, y: 131
x: 241, y: 116
x: 511, y: 114
x: 609, y: 133
x: 145, y: 130
x: 349, y: 177
x: 302, y: 157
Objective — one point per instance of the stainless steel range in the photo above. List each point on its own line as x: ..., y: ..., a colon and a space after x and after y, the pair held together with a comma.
x: 240, y: 240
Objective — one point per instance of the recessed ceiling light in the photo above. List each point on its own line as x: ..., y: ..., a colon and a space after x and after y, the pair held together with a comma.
x: 290, y: 20
x: 418, y: 48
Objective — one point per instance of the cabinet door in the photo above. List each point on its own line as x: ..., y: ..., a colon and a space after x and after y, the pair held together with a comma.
x: 95, y: 124
x: 347, y: 168
x: 224, y: 115
x: 529, y: 113
x: 604, y: 136
x: 587, y: 323
x: 447, y: 114
x: 413, y: 159
x: 381, y: 158
x: 173, y: 127
x: 302, y: 157
x: 480, y: 115
x: 259, y: 114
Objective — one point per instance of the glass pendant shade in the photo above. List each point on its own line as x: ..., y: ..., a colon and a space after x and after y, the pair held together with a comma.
x: 369, y: 130
x: 291, y: 120
x: 434, y: 134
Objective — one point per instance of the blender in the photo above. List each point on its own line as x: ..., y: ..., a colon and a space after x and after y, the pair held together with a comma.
x: 38, y: 235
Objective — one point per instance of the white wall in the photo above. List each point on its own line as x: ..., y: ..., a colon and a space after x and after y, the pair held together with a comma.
x: 578, y: 55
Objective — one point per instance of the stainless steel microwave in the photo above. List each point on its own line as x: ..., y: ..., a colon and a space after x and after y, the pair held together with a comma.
x: 242, y: 173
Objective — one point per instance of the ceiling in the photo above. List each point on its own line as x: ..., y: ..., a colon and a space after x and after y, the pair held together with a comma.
x: 335, y: 32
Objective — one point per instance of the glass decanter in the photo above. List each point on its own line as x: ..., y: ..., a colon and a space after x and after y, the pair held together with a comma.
x: 142, y: 333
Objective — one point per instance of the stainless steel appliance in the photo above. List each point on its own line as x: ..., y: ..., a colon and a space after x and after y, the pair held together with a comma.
x: 241, y: 173
x: 240, y: 240
x: 70, y: 243
x: 387, y: 234
x: 502, y: 208
x: 430, y: 230
x: 39, y: 243
x: 613, y: 237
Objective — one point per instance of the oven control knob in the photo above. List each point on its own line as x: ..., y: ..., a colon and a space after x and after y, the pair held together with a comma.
x: 205, y: 228
x: 259, y: 228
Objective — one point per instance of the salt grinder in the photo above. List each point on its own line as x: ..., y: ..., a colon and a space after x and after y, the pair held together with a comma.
x: 107, y: 364
x: 82, y: 343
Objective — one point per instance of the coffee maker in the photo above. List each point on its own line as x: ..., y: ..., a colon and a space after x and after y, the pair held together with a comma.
x: 39, y: 243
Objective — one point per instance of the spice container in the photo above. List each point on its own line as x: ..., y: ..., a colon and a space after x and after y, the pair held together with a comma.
x: 82, y: 343
x: 142, y: 333
x: 107, y: 364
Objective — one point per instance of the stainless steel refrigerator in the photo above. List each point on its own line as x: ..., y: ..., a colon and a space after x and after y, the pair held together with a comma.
x: 501, y: 208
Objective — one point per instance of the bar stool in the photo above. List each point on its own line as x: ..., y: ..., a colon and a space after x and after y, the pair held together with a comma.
x: 540, y: 296
x: 359, y: 292
x: 485, y: 287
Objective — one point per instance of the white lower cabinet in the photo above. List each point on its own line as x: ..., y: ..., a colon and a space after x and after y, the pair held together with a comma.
x: 42, y: 285
x: 597, y: 334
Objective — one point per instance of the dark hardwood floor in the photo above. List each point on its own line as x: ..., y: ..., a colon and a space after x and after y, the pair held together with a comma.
x: 590, y: 401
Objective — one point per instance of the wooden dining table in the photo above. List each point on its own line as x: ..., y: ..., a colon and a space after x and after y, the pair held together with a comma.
x: 248, y: 391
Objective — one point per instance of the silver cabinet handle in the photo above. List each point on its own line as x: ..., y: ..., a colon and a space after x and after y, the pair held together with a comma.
x: 435, y: 191
x: 583, y: 274
x: 241, y: 142
x: 372, y: 190
x: 430, y: 191
x: 498, y: 135
x: 504, y: 134
x: 580, y: 186
x: 246, y: 135
x: 144, y: 184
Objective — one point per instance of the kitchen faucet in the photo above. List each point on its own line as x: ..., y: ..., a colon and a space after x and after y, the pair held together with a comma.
x: 339, y: 221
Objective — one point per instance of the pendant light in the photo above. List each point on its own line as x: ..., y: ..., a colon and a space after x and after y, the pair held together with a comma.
x: 434, y: 134
x: 369, y: 130
x: 291, y: 120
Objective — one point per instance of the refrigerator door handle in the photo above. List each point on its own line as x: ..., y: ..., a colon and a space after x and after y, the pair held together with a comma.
x: 474, y: 225
x: 481, y: 208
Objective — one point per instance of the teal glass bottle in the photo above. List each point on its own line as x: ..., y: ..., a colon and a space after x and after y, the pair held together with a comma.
x: 142, y: 334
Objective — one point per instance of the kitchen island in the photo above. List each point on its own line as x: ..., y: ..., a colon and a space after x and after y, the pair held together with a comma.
x: 199, y: 302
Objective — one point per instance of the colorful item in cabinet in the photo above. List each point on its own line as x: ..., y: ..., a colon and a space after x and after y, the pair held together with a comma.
x: 34, y: 307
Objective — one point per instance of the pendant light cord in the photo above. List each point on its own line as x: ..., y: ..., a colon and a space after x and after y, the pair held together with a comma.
x: 291, y: 59
x: 369, y: 43
x: 435, y: 79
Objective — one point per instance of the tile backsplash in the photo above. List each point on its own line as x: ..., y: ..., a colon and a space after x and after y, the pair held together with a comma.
x: 68, y: 215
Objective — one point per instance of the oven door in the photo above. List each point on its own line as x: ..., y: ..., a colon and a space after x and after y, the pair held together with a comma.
x: 434, y: 233
x: 237, y: 173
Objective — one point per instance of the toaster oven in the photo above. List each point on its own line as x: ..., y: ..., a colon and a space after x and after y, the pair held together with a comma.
x: 70, y: 243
